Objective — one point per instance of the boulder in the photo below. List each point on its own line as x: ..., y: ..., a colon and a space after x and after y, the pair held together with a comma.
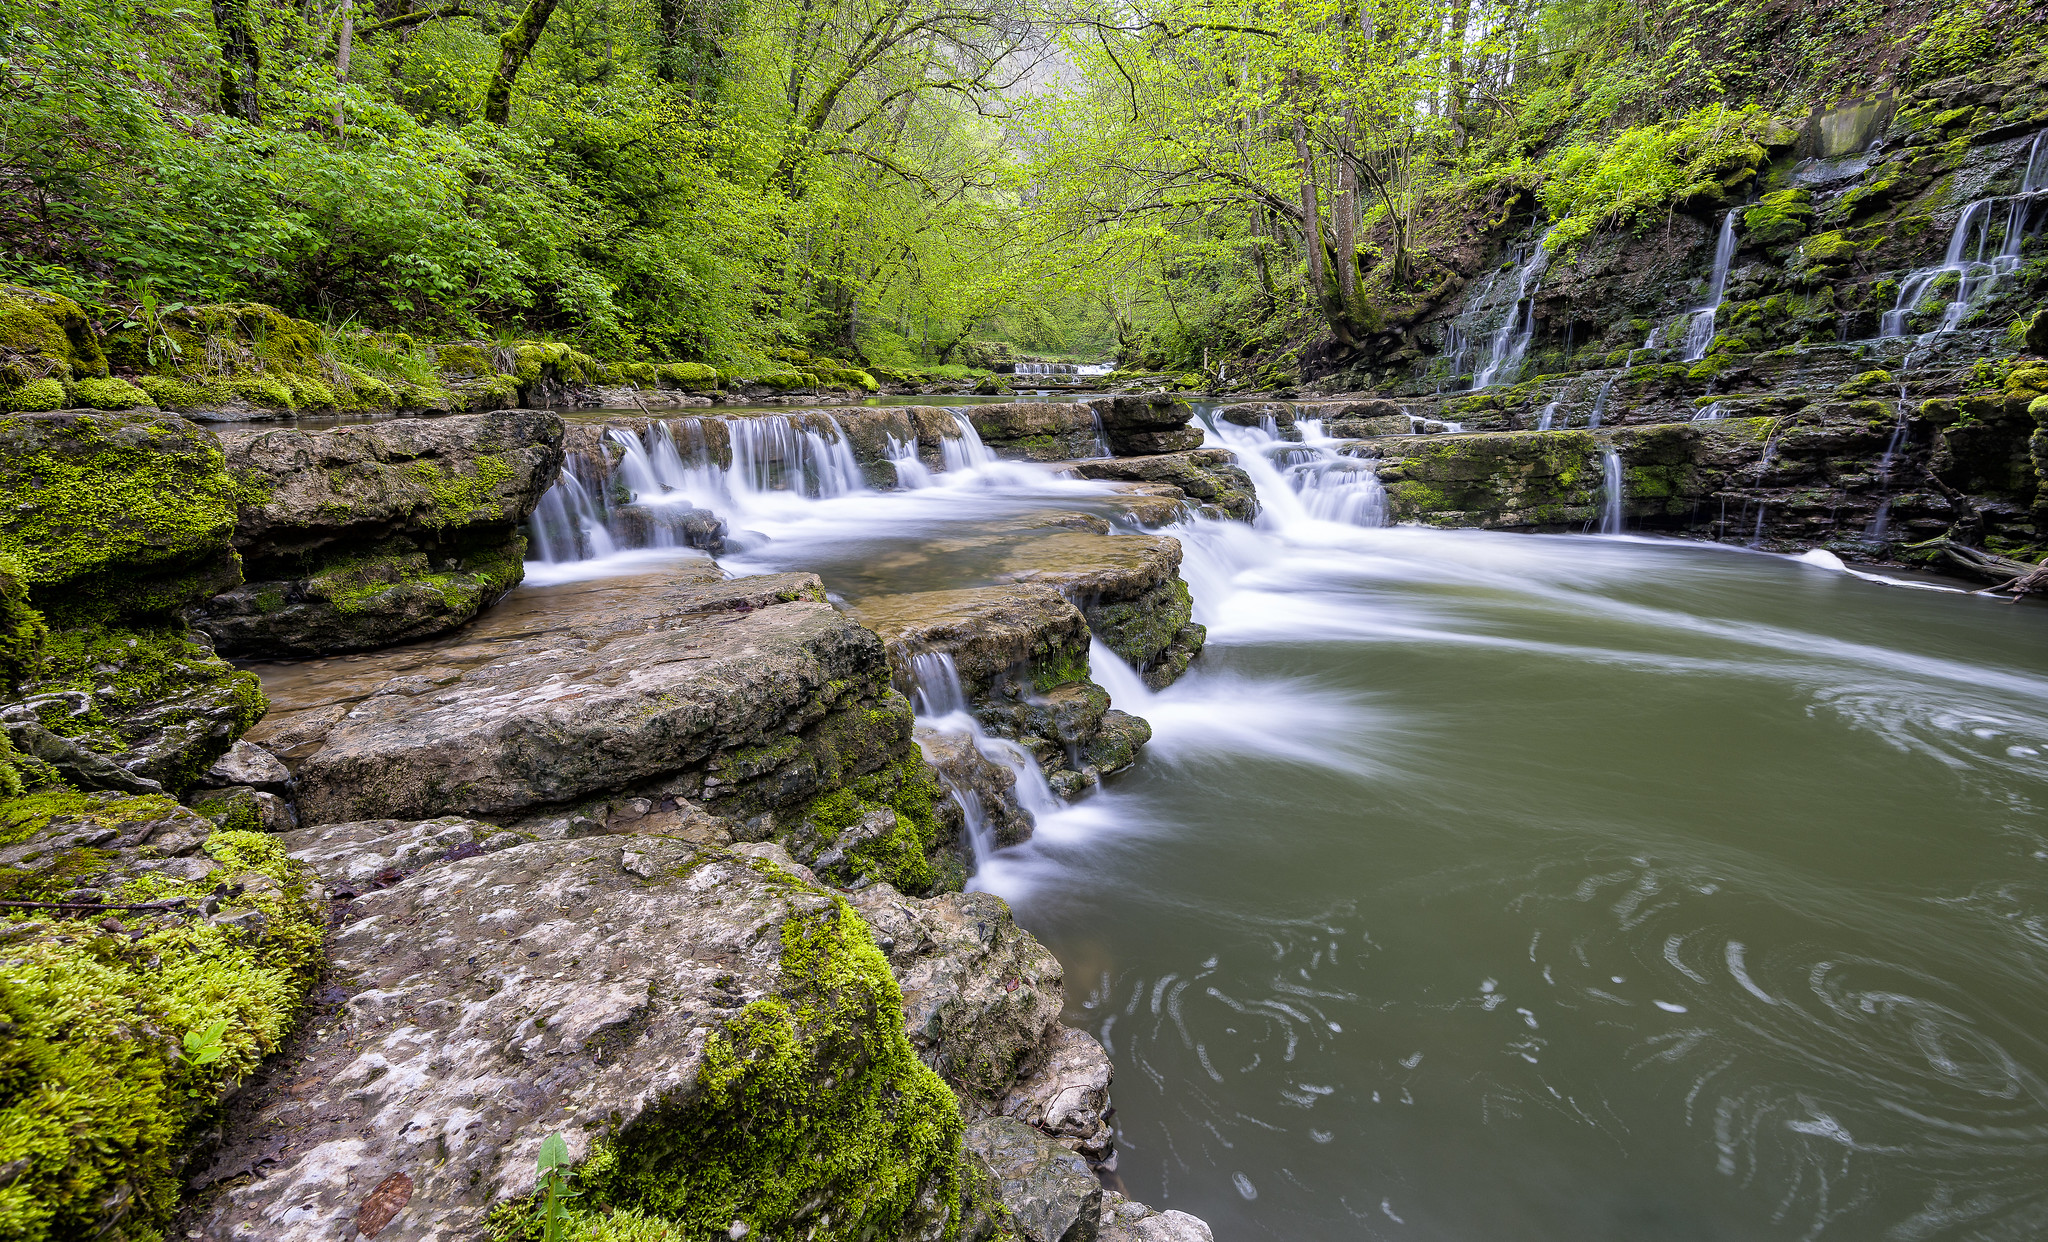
x: 356, y: 858
x: 1124, y: 1220
x: 246, y: 763
x: 1066, y: 1094
x: 1207, y: 477
x: 1048, y: 1192
x: 361, y: 537
x: 984, y: 787
x: 1276, y: 416
x: 749, y: 696
x: 116, y: 515
x: 717, y: 1040
x: 981, y: 996
x: 1138, y: 425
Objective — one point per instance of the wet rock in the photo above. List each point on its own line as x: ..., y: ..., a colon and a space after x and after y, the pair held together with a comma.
x: 1207, y: 477
x: 981, y: 996
x: 374, y: 535
x: 656, y: 526
x: 1036, y: 430
x: 246, y: 763
x: 1143, y: 424
x: 588, y: 990
x: 1025, y: 630
x: 1275, y: 416
x: 80, y: 765
x: 357, y: 857
x: 1128, y: 587
x: 1066, y: 1094
x: 970, y: 774
x: 1118, y: 738
x: 1124, y: 1220
x: 1049, y: 1193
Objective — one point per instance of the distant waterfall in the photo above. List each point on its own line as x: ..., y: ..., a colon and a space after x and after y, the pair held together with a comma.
x: 1510, y: 341
x: 1699, y: 333
x: 1305, y: 482
x: 1970, y: 258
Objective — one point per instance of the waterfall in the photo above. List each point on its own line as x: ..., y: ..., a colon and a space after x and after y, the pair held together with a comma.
x: 1699, y: 333
x: 1306, y: 482
x: 1711, y: 414
x: 1966, y: 257
x: 1101, y: 433
x: 964, y: 451
x: 1600, y: 403
x: 1612, y: 487
x: 1510, y: 341
x: 1543, y: 420
x: 772, y: 453
x: 941, y: 705
x: 569, y: 524
x: 911, y: 472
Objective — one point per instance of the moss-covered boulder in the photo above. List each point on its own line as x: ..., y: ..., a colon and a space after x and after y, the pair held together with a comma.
x: 127, y: 513
x: 360, y: 537
x: 1130, y: 590
x: 1210, y: 479
x: 125, y: 1026
x: 43, y: 337
x: 725, y: 1050
x: 1779, y: 217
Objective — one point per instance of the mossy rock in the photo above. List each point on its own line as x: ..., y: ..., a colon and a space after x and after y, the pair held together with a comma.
x: 230, y: 338
x: 362, y: 602
x: 120, y: 1042
x: 161, y: 705
x: 132, y: 512
x: 35, y: 396
x: 49, y: 334
x: 1830, y: 249
x: 688, y: 376
x: 107, y: 393
x: 21, y: 626
x: 1779, y: 217
x: 2029, y: 379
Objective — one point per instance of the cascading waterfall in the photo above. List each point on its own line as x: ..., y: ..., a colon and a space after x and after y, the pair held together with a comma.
x: 1510, y: 341
x: 1699, y: 332
x: 1600, y: 403
x: 571, y: 521
x: 965, y: 451
x: 1966, y: 257
x: 940, y: 703
x: 1544, y: 420
x: 1309, y: 481
x: 1613, y: 486
x: 911, y: 472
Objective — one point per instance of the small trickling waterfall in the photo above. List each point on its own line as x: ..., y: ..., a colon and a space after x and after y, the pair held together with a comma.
x: 1510, y: 341
x: 941, y: 705
x: 1969, y: 259
x: 1612, y: 492
x: 1699, y: 331
x: 1548, y: 416
x: 1599, y: 409
x: 964, y: 451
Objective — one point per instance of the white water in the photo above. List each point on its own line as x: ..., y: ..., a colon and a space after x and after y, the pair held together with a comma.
x: 1510, y: 341
x: 1612, y: 492
x: 1970, y: 260
x: 1699, y: 332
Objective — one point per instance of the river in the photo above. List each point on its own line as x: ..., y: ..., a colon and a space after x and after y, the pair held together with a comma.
x: 1483, y: 886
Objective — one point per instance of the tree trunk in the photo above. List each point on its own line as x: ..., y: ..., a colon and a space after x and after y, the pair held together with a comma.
x: 241, y: 61
x: 514, y: 46
x: 1344, y: 206
x: 342, y: 51
x: 1311, y: 216
x: 1454, y: 67
x: 669, y: 16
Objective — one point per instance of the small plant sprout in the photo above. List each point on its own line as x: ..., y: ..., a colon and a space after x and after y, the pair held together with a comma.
x: 554, y: 1180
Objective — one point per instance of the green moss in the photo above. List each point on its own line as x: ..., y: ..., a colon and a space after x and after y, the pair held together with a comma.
x: 22, y: 631
x: 96, y: 1096
x: 122, y: 498
x: 813, y: 1093
x: 1779, y: 217
x: 33, y: 396
x: 460, y: 499
x: 107, y: 393
x: 167, y: 393
x: 1830, y: 249
x: 465, y: 359
x: 690, y: 376
x: 52, y: 329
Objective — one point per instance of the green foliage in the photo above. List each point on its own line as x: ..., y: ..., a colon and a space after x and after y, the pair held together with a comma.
x: 1631, y: 180
x: 1957, y: 40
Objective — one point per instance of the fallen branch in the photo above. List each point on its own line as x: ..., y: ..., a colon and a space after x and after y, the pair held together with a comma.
x: 168, y: 903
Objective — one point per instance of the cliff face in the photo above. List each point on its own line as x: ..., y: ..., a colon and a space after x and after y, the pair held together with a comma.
x: 1848, y: 321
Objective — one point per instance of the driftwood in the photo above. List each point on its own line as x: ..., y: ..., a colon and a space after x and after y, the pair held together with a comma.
x: 2003, y: 572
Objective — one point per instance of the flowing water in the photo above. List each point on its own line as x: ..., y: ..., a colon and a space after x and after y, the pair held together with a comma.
x: 1487, y: 886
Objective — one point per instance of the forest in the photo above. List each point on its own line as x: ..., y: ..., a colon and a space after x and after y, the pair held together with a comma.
x: 1177, y: 184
